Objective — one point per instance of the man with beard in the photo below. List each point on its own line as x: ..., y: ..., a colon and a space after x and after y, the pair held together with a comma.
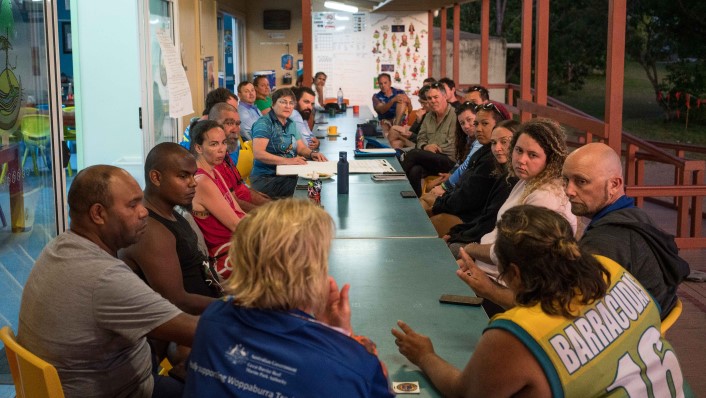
x: 167, y: 256
x: 229, y: 118
x: 302, y: 113
x: 618, y: 230
x: 84, y: 311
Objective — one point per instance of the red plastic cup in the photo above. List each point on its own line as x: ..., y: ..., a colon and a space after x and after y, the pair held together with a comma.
x: 356, y: 109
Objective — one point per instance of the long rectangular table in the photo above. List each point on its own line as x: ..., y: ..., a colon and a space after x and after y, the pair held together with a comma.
x: 397, y: 267
x: 403, y: 279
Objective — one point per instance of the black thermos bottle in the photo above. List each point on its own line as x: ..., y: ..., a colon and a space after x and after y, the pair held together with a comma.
x: 342, y: 176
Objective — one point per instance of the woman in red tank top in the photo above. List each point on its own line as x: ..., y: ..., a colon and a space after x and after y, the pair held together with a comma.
x: 215, y: 210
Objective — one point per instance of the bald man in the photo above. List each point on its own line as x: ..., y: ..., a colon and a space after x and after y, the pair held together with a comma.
x: 84, y: 310
x: 167, y: 256
x: 618, y: 230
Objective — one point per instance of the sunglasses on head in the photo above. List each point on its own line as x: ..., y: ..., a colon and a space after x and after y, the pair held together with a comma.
x: 490, y: 106
x: 436, y: 85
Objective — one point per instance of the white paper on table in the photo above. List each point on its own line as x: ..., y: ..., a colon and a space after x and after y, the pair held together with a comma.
x: 367, y: 166
x: 386, y: 151
x: 179, y: 92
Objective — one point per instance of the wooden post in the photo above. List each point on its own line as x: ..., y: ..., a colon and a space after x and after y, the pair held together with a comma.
x: 430, y: 43
x: 541, y: 63
x: 615, y: 71
x: 457, y: 43
x: 307, y: 43
x: 526, y: 57
x: 484, y: 41
x: 442, y: 54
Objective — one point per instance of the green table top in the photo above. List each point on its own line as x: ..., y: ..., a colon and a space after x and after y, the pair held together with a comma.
x: 403, y: 279
x: 373, y: 209
x: 347, y: 125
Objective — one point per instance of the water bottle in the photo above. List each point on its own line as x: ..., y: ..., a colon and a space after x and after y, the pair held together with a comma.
x: 359, y: 138
x: 339, y: 99
x: 342, y: 173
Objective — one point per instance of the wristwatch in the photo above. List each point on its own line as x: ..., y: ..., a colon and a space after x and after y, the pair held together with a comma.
x: 313, y: 151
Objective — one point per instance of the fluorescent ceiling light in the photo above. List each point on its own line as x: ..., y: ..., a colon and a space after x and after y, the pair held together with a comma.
x: 334, y: 5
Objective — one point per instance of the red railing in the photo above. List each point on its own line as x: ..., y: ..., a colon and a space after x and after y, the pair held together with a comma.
x: 687, y: 190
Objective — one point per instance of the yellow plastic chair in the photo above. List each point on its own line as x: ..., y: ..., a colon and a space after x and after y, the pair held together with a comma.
x: 672, y: 317
x: 33, y: 377
x: 245, y: 160
x: 36, y: 134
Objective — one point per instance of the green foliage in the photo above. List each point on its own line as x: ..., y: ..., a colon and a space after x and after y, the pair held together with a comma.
x: 686, y: 81
x: 661, y: 31
x: 577, y: 37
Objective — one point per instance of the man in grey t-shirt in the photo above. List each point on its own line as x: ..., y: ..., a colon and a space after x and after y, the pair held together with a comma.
x: 83, y: 310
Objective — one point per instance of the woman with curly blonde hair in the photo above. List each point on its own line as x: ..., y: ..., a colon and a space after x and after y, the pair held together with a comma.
x: 537, y: 153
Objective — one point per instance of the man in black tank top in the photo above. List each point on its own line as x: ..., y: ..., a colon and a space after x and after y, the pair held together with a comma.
x: 167, y: 256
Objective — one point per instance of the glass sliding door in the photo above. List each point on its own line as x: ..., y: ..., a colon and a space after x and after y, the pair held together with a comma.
x: 159, y: 16
x: 32, y: 179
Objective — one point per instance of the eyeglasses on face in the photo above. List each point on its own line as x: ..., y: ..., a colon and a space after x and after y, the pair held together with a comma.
x: 231, y: 122
x: 284, y: 102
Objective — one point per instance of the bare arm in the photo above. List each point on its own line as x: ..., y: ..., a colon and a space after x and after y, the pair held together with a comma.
x: 208, y: 197
x: 180, y: 329
x: 489, y: 373
x: 481, y: 284
x: 382, y: 107
x: 259, y: 147
x: 245, y: 205
x: 479, y: 252
x: 305, y: 151
x: 155, y: 254
x: 258, y: 198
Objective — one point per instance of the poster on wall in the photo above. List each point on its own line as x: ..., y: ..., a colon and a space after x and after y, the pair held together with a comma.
x: 352, y: 49
x: 172, y: 75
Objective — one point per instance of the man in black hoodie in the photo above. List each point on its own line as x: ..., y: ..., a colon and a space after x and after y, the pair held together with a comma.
x: 618, y: 230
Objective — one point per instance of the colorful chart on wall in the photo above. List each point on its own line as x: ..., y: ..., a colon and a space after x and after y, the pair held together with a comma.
x: 363, y: 45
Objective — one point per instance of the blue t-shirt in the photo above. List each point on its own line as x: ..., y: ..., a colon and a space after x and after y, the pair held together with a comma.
x: 248, y: 116
x: 302, y: 127
x: 390, y: 114
x: 241, y: 352
x: 283, y: 141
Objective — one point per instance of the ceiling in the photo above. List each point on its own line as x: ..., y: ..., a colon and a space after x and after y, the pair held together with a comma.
x: 394, y: 5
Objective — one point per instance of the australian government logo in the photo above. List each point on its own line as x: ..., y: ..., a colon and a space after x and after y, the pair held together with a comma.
x: 260, y: 366
x: 237, y: 355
